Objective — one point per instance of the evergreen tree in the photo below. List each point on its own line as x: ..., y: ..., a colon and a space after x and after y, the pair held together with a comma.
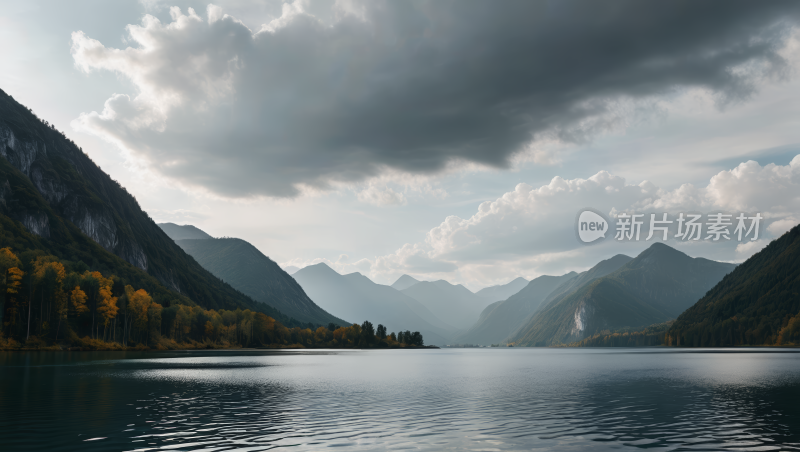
x: 367, y: 333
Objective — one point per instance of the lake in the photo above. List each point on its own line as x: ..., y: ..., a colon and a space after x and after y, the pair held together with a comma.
x: 450, y: 399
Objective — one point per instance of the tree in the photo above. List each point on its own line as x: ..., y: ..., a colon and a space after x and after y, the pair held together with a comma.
x: 91, y: 287
x: 8, y: 260
x: 61, y: 305
x: 154, y: 319
x: 105, y: 303
x: 323, y: 335
x: 367, y: 334
x: 138, y: 305
x: 78, y: 299
x: 49, y: 275
x: 381, y: 332
x: 108, y: 307
x: 13, y: 284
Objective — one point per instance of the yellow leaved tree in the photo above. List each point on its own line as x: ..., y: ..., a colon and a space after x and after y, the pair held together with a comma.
x: 101, y: 300
x: 106, y: 301
x: 78, y: 298
x: 138, y: 304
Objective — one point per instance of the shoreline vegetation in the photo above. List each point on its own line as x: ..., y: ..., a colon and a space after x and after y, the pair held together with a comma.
x: 49, y: 303
x: 53, y: 304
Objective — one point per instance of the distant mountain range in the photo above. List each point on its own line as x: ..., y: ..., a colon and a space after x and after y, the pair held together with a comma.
x: 243, y: 266
x: 656, y: 286
x: 291, y: 269
x: 503, y: 291
x: 404, y: 282
x: 454, y: 304
x: 356, y: 297
x: 492, y: 293
x: 502, y: 318
x: 756, y: 304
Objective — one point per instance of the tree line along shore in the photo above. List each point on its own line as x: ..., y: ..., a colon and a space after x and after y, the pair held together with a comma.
x: 49, y: 304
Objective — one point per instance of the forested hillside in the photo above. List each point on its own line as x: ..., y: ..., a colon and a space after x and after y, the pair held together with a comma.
x: 68, y: 232
x: 243, y: 266
x: 656, y: 286
x: 756, y: 304
x: 50, y: 304
x: 53, y: 198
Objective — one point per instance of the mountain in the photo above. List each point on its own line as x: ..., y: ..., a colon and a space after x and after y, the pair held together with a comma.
x: 291, y: 269
x: 54, y: 198
x: 404, y: 282
x: 357, y: 298
x: 654, y: 287
x: 453, y: 304
x: 183, y: 232
x: 503, y: 291
x: 756, y: 304
x: 602, y: 268
x: 502, y: 318
x: 244, y: 267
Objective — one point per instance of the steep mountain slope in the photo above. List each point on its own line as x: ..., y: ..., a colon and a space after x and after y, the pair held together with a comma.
x: 756, y: 304
x: 654, y: 287
x: 503, y: 291
x: 502, y: 318
x: 453, y: 304
x: 602, y: 304
x: 404, y: 282
x: 58, y: 194
x: 243, y: 266
x: 602, y: 268
x: 357, y: 298
x: 183, y: 232
x: 668, y: 279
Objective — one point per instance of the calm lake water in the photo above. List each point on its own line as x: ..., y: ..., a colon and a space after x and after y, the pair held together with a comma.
x: 450, y: 399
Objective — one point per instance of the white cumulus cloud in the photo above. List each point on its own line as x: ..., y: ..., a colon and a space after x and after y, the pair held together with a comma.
x: 530, y: 231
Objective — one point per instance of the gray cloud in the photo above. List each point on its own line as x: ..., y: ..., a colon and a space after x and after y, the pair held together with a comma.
x: 411, y: 86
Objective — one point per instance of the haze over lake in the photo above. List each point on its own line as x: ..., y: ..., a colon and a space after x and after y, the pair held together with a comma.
x: 449, y: 399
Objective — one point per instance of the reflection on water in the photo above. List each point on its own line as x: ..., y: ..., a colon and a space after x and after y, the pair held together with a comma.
x: 469, y: 399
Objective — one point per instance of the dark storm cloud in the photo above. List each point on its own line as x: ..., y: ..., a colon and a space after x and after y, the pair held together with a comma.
x: 413, y: 85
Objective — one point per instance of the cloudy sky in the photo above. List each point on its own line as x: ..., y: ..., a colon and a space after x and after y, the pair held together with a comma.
x: 453, y: 140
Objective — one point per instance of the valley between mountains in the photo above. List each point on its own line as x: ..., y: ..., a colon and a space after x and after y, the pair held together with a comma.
x: 75, y: 240
x: 621, y: 293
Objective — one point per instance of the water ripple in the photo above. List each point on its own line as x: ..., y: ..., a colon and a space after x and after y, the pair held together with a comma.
x: 420, y: 400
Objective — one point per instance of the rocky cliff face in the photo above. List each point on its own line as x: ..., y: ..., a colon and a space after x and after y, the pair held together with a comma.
x: 31, y: 158
x: 56, y: 192
x: 20, y: 154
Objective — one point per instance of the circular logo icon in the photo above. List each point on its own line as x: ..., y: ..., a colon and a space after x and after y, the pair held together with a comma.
x: 591, y: 226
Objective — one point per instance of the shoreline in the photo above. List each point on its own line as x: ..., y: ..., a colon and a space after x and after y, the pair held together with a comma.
x: 150, y: 349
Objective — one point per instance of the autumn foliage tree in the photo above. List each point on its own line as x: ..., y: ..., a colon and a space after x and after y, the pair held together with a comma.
x: 64, y: 304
